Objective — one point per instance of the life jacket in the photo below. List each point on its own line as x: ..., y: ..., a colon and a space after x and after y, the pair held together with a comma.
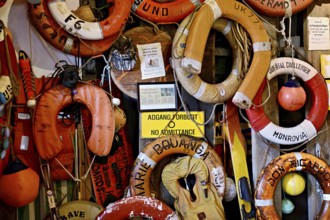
x: 110, y: 174
x: 197, y: 200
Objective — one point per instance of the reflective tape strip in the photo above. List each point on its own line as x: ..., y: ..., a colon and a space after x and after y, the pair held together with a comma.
x: 288, y: 10
x: 196, y: 2
x: 147, y: 160
x: 200, y: 90
x: 261, y: 46
x: 298, y: 157
x: 326, y: 197
x: 203, y: 148
x: 263, y: 202
x: 183, y: 30
x: 215, y: 8
x: 227, y: 29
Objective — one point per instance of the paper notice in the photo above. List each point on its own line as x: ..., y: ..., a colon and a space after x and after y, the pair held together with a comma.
x: 151, y: 59
x: 318, y: 33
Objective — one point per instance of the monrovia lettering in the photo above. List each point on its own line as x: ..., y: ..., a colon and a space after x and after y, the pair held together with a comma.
x: 290, y: 138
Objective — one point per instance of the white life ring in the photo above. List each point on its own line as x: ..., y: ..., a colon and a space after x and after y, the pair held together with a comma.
x: 308, y: 128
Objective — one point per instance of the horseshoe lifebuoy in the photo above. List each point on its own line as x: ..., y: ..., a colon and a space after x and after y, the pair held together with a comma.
x: 275, y: 170
x: 163, y: 12
x: 47, y: 140
x: 192, y: 83
x: 308, y: 128
x: 279, y: 8
x: 141, y: 206
x: 112, y: 25
x: 174, y: 144
x: 198, y: 34
x: 50, y: 30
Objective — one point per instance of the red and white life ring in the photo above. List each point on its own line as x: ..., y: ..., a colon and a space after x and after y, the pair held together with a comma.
x: 165, y: 12
x: 112, y: 25
x: 192, y: 83
x: 51, y: 31
x: 308, y: 128
x: 48, y: 141
x: 279, y: 8
x: 275, y: 170
x: 197, y: 38
x: 141, y: 206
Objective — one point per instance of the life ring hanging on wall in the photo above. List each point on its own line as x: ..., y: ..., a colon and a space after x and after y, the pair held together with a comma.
x: 192, y: 83
x: 308, y: 128
x: 174, y: 144
x: 47, y: 140
x: 275, y: 170
x: 278, y: 8
x: 142, y: 206
x: 169, y: 12
x: 112, y: 25
x: 50, y: 30
x: 198, y: 34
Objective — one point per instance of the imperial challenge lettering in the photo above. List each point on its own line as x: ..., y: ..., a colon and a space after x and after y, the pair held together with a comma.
x: 159, y: 148
x: 287, y: 65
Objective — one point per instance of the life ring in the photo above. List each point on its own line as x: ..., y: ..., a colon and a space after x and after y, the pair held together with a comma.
x: 174, y: 144
x: 198, y: 34
x: 171, y: 11
x: 79, y: 209
x: 279, y: 8
x: 112, y: 25
x: 275, y: 170
x: 47, y: 27
x: 141, y: 206
x: 46, y: 137
x: 308, y: 128
x: 192, y: 83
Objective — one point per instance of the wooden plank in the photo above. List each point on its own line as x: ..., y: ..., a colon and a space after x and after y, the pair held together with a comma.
x: 317, y: 9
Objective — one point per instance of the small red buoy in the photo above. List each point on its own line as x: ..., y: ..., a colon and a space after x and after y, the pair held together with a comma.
x: 292, y: 95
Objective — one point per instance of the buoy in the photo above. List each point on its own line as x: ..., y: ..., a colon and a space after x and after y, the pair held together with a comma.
x: 230, y: 191
x: 292, y: 95
x: 287, y: 206
x: 293, y: 184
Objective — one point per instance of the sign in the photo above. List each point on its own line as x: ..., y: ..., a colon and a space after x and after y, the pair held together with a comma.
x: 318, y: 33
x: 156, y: 124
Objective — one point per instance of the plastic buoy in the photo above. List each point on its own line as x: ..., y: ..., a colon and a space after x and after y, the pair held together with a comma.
x: 293, y: 184
x: 287, y: 206
x: 292, y: 95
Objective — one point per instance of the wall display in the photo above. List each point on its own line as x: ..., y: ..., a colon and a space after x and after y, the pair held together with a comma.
x: 157, y: 96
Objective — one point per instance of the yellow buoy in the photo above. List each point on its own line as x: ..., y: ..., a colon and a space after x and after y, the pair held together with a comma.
x: 293, y: 184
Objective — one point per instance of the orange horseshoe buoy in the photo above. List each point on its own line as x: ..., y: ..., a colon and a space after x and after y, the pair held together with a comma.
x: 174, y: 144
x: 275, y: 170
x: 47, y: 27
x: 318, y: 112
x: 192, y: 83
x: 198, y: 34
x: 141, y: 206
x: 171, y: 11
x: 112, y: 25
x: 45, y: 134
x: 279, y: 8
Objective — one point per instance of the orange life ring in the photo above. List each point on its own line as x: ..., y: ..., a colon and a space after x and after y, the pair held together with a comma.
x: 47, y: 27
x: 308, y: 128
x: 174, y: 144
x: 279, y: 8
x: 192, y: 83
x: 46, y: 137
x: 198, y: 34
x: 171, y: 11
x: 112, y: 25
x: 275, y: 170
x: 142, y: 206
